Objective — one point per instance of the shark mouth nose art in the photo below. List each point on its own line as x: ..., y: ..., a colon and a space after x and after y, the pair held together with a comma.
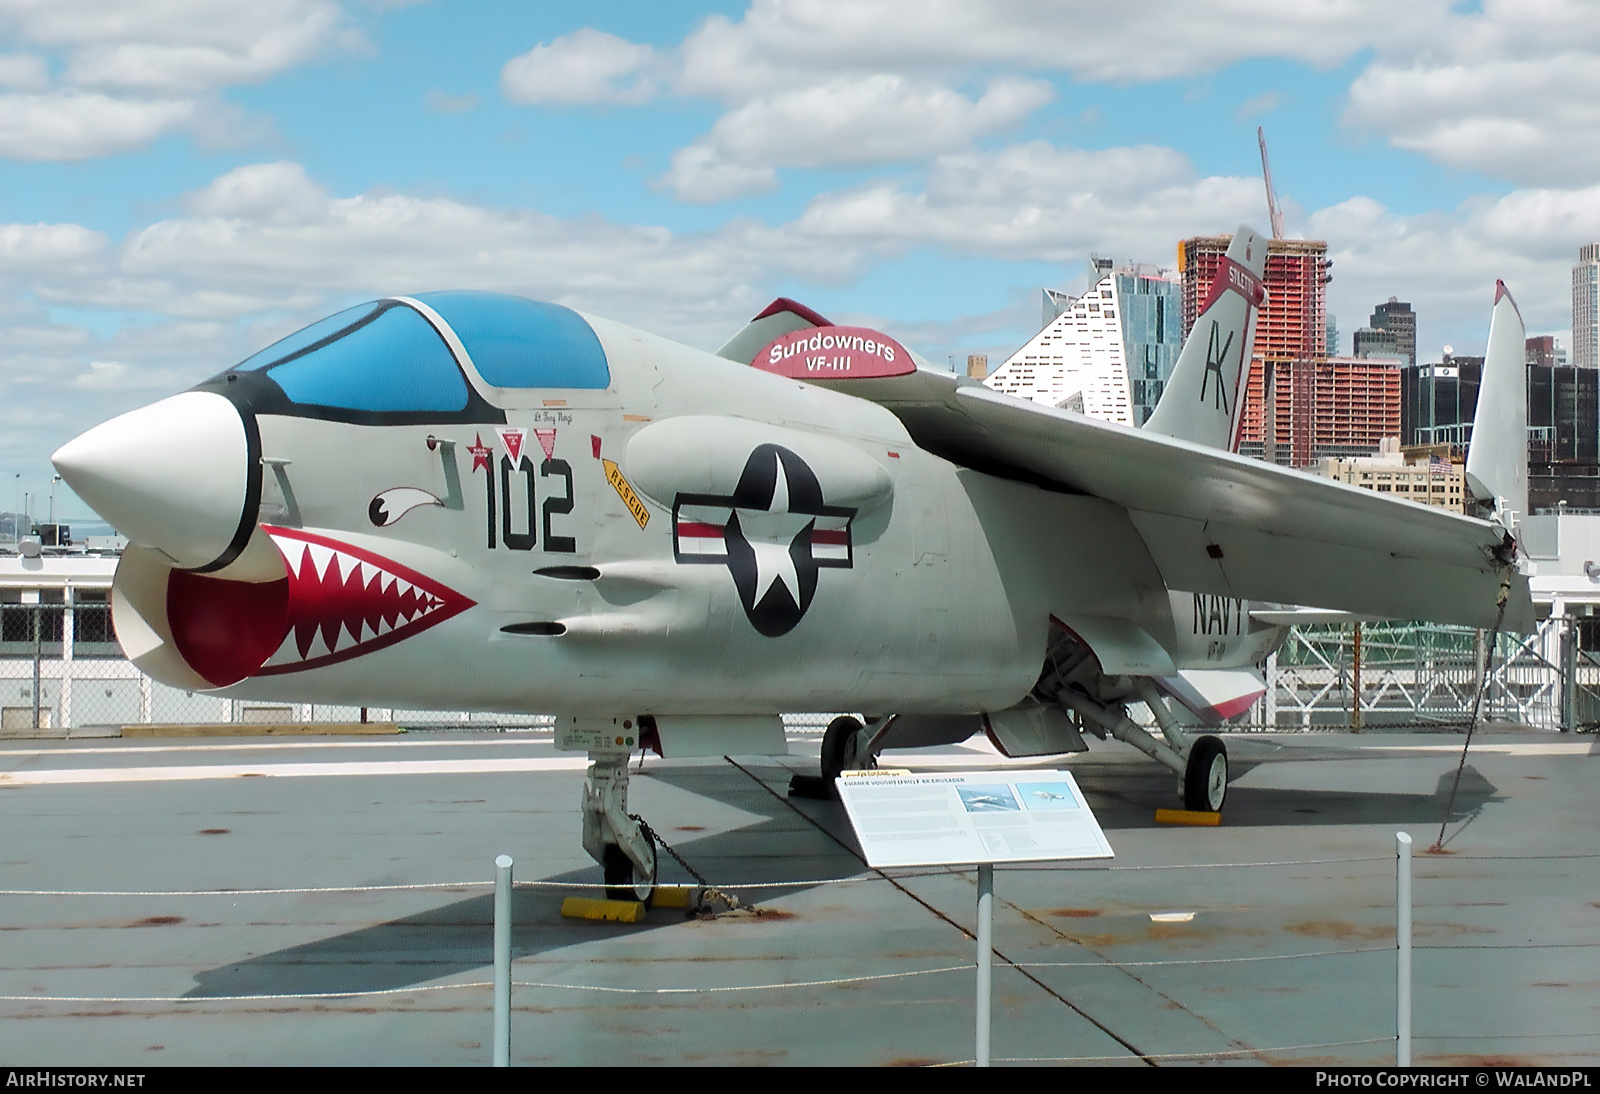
x: 345, y: 601
x: 336, y: 601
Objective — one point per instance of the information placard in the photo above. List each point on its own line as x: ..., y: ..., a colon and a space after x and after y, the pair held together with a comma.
x: 953, y: 817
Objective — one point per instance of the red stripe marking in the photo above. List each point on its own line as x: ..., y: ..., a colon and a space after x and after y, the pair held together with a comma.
x: 1232, y: 277
x: 696, y: 530
x: 1229, y: 707
x: 784, y: 304
x: 839, y: 538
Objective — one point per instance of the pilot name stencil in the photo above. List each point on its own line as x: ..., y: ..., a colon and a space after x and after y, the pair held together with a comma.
x: 773, y: 533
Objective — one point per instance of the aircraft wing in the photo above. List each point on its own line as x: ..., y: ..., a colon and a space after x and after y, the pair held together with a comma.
x: 1220, y: 523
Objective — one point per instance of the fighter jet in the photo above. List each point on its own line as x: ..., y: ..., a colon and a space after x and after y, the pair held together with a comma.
x: 471, y: 500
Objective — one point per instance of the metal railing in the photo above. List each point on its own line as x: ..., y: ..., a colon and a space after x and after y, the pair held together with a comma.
x: 1409, y: 673
x: 62, y: 672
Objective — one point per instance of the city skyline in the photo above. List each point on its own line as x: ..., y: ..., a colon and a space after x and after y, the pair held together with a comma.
x: 188, y: 180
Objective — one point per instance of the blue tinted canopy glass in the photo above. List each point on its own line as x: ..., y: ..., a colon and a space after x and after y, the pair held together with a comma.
x: 300, y: 340
x: 382, y: 357
x: 521, y: 343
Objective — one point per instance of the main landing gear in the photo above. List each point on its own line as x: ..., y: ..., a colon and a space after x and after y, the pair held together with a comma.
x: 1201, y: 764
x: 621, y: 843
x: 1073, y: 681
x: 1205, y: 775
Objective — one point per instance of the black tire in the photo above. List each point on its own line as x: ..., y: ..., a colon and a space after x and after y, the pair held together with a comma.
x: 838, y: 746
x: 1205, y: 776
x: 623, y: 879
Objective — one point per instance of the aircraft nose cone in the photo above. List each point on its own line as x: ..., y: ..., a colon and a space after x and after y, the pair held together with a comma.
x: 173, y: 475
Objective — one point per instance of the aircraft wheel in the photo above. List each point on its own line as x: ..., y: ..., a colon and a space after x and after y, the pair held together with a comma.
x: 839, y: 745
x: 1205, y: 777
x: 624, y: 880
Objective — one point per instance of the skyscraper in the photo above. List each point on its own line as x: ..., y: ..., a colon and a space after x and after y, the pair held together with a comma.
x: 1586, y: 307
x: 1397, y: 318
x: 1293, y: 324
x: 1331, y: 406
x: 1283, y: 417
x: 1375, y: 342
x: 1108, y: 353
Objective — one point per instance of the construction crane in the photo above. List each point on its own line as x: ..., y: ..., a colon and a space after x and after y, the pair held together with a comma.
x: 1274, y: 213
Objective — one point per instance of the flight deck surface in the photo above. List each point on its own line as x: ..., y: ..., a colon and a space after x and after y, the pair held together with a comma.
x: 328, y: 902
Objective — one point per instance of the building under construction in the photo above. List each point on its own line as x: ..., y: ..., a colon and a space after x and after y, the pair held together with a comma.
x: 1293, y: 320
x: 1300, y: 405
x: 1298, y: 412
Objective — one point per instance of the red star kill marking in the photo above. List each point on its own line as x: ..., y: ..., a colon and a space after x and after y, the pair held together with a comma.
x: 482, y: 454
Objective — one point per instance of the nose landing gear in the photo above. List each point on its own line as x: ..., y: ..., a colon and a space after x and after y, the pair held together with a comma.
x: 621, y: 843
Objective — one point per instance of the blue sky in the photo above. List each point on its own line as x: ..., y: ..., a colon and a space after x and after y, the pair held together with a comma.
x: 186, y: 180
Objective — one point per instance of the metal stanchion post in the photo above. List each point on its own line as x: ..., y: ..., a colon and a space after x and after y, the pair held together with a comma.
x: 985, y: 957
x: 1402, y: 934
x: 502, y: 961
x: 38, y: 654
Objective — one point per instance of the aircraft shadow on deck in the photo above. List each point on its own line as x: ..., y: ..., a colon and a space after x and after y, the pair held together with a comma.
x: 1123, y: 802
x: 456, y: 937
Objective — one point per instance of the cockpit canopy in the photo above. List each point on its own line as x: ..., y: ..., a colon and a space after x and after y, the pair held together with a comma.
x: 402, y: 358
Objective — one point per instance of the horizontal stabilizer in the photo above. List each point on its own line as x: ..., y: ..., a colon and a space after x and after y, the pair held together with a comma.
x: 1215, y: 695
x: 1306, y: 617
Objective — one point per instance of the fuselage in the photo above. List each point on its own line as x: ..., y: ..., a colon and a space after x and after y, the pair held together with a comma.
x: 470, y: 500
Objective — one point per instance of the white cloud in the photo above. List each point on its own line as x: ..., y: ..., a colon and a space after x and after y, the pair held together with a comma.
x: 131, y: 71
x: 261, y: 191
x: 76, y: 125
x: 104, y: 374
x: 1446, y: 263
x: 781, y: 42
x: 30, y: 249
x: 24, y: 71
x: 586, y: 66
x: 699, y: 173
x: 1037, y: 202
x: 836, y: 83
x: 849, y: 122
x: 169, y: 46
x: 1512, y: 90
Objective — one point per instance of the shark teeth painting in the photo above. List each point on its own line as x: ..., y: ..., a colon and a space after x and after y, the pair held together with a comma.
x: 345, y: 601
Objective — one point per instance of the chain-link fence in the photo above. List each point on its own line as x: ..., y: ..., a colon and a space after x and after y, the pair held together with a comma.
x: 63, y: 673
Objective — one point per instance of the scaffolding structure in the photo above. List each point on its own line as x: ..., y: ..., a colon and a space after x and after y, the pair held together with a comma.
x: 1387, y: 674
x: 1290, y: 325
x: 1297, y: 412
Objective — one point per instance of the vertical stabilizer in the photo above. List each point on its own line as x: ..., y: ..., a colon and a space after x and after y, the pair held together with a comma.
x: 1201, y: 402
x: 782, y: 316
x: 1497, y: 457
